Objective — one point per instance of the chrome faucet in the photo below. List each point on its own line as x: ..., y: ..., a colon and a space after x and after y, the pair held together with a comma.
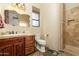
x: 12, y: 32
x: 23, y: 31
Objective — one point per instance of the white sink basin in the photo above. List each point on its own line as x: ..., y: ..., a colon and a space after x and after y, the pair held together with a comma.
x: 11, y: 35
x: 14, y: 35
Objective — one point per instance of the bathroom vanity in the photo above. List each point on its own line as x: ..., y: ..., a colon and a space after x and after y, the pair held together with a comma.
x: 18, y: 45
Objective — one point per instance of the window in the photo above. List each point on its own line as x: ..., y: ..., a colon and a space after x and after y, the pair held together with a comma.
x: 35, y: 17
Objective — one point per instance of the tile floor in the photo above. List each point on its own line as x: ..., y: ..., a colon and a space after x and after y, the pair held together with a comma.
x: 49, y: 53
x: 42, y: 54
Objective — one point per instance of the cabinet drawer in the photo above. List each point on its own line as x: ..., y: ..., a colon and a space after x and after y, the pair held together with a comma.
x: 29, y: 50
x: 29, y: 44
x: 5, y: 42
x: 30, y: 38
x: 18, y: 39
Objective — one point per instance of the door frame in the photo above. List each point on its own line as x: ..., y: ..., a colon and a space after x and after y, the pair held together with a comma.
x: 62, y: 26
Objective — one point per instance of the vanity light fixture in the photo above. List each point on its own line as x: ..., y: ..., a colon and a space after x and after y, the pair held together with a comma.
x: 20, y: 6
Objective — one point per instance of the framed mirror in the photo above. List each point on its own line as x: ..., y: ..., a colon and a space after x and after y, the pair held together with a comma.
x: 15, y: 19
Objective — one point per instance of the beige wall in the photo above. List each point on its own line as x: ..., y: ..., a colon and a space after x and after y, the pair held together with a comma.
x: 28, y: 11
x: 51, y: 22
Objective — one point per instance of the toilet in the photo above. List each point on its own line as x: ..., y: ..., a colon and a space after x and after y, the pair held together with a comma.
x: 40, y: 43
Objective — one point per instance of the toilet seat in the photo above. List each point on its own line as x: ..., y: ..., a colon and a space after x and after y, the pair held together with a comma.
x: 41, y: 42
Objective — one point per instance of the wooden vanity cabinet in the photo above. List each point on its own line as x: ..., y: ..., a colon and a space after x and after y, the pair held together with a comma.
x: 19, y: 49
x: 29, y: 44
x: 12, y: 46
x: 17, y: 46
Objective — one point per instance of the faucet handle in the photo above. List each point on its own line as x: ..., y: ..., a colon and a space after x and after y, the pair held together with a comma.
x: 23, y: 31
x: 9, y: 32
x: 12, y: 32
x: 16, y: 32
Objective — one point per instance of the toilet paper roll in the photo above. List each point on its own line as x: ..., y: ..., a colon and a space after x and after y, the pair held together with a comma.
x: 46, y: 35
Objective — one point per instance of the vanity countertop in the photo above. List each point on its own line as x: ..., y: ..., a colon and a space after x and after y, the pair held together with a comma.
x: 14, y: 35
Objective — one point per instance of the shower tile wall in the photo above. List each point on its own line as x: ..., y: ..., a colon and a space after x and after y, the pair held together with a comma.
x: 71, y: 33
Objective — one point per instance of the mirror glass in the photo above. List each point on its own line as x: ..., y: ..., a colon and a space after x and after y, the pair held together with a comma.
x: 24, y: 20
x: 15, y: 19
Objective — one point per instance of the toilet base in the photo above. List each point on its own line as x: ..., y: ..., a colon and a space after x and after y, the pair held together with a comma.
x: 40, y: 48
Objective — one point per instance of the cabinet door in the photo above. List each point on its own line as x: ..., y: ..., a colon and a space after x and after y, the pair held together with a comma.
x: 29, y: 44
x: 6, y: 47
x: 19, y: 49
x: 1, y: 52
x: 7, y: 51
x: 12, y: 47
x: 11, y: 50
x: 30, y: 41
x: 29, y: 50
